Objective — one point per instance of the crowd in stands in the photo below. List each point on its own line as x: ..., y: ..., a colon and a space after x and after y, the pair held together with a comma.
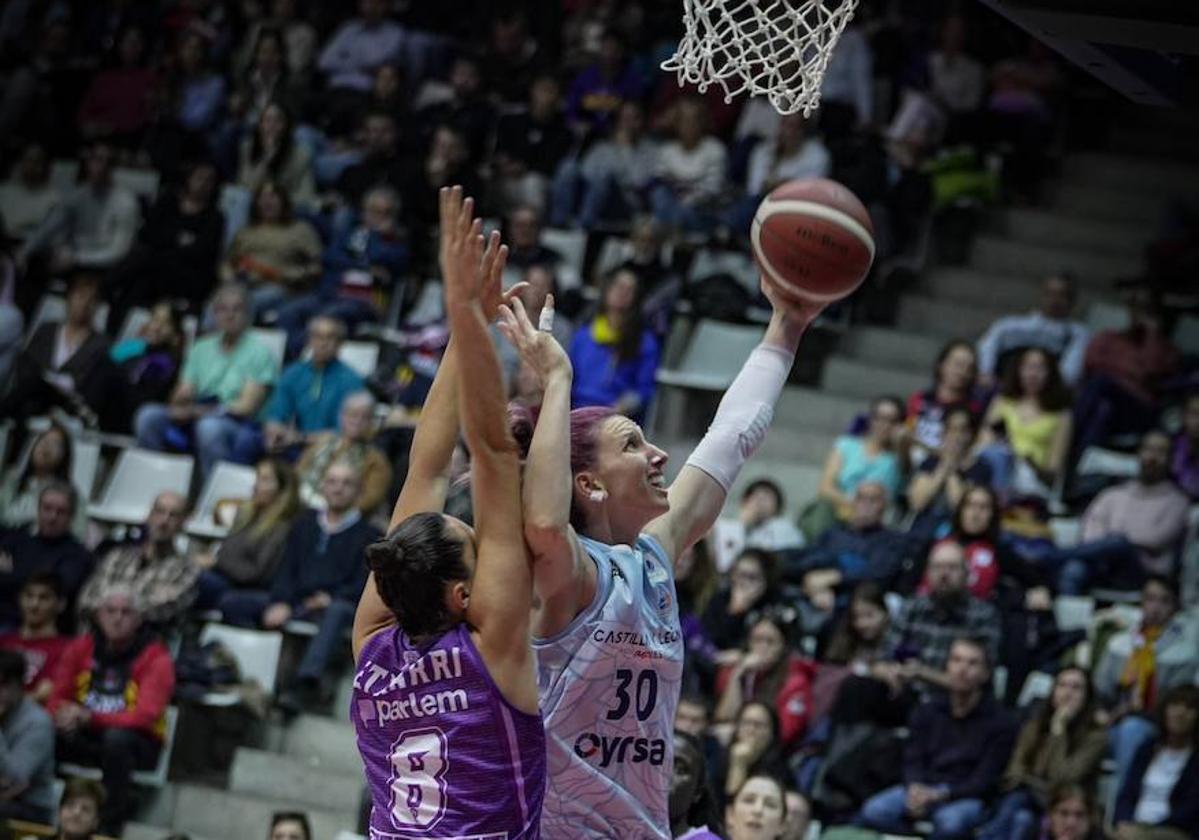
x: 223, y: 198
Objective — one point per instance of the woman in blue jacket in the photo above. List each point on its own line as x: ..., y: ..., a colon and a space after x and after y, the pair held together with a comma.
x: 1159, y: 799
x: 615, y: 356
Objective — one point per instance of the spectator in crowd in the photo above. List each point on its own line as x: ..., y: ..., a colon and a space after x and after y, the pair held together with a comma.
x: 1022, y: 111
x: 957, y: 80
x: 1030, y: 421
x: 48, y: 547
x: 954, y: 755
x: 360, y: 270
x: 921, y: 636
x: 147, y: 363
x: 161, y: 576
x: 1124, y: 371
x: 611, y: 179
x: 696, y: 581
x: 530, y: 144
x: 65, y: 363
x: 541, y: 283
x: 28, y: 198
x: 1048, y: 328
x: 615, y: 357
x: 758, y: 809
x: 799, y: 816
x: 1141, y: 663
x: 79, y: 809
x: 522, y: 232
x: 225, y: 380
x: 847, y: 90
x: 120, y: 98
x: 351, y: 443
x: 855, y: 459
x: 265, y: 81
x: 179, y: 243
x: 460, y: 102
x: 308, y: 398
x: 1072, y: 815
x: 27, y: 739
x: 38, y: 638
x: 381, y: 164
x: 1062, y: 744
x: 277, y: 255
x: 1131, y: 529
x: 761, y: 522
x: 445, y: 163
x: 936, y: 488
x: 110, y: 697
x: 690, y: 174
x: 975, y: 527
x: 599, y: 90
x: 290, y: 825
x: 753, y: 749
x: 299, y: 37
x: 1159, y: 798
x: 1184, y: 458
x: 513, y: 56
x: 194, y: 90
x: 954, y: 380
x: 249, y: 556
x: 753, y: 583
x: 360, y: 45
x: 794, y: 154
x: 49, y: 462
x: 272, y: 155
x: 692, y: 716
x: 859, y: 550
x: 855, y: 644
x: 93, y: 228
x: 693, y: 807
x: 771, y: 672
x: 320, y: 579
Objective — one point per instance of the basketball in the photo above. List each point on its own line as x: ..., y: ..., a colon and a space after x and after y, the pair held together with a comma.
x: 813, y: 241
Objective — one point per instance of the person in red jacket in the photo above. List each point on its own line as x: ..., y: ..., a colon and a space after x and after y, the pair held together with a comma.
x: 770, y: 672
x: 109, y: 700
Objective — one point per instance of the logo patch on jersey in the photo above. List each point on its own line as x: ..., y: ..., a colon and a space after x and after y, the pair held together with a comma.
x: 665, y: 599
x: 620, y: 749
x: 655, y: 571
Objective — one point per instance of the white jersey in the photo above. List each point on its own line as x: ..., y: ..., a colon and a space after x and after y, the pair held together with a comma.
x: 608, y: 686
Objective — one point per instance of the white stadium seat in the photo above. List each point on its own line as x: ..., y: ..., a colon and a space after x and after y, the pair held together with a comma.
x: 139, y: 476
x: 226, y: 481
x: 257, y: 654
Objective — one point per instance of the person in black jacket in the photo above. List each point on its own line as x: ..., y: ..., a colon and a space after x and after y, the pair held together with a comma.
x: 320, y: 579
x: 955, y: 754
x: 177, y: 249
x: 1159, y: 799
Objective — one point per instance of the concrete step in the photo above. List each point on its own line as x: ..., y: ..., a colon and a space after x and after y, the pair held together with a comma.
x: 324, y: 743
x: 796, y: 445
x: 817, y: 410
x: 969, y: 287
x: 1136, y: 173
x: 947, y: 319
x: 1100, y: 201
x: 890, y: 347
x: 867, y: 380
x: 208, y: 812
x: 274, y: 776
x: 996, y: 255
x: 1176, y: 143
x: 1056, y: 229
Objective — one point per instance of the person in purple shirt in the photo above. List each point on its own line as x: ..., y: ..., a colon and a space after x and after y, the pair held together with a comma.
x: 1184, y: 456
x: 445, y: 693
x: 597, y: 93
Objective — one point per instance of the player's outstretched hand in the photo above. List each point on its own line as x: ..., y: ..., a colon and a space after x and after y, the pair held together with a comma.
x: 801, y: 312
x: 470, y: 271
x: 536, y: 344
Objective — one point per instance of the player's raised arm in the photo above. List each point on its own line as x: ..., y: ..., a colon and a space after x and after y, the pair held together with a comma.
x: 560, y: 575
x: 739, y: 427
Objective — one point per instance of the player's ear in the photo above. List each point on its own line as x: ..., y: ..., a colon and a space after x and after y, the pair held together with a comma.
x: 460, y: 595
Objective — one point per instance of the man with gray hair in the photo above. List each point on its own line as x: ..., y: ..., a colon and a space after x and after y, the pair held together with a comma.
x: 363, y: 267
x: 224, y: 383
x: 308, y: 397
x: 163, y: 578
x: 110, y: 696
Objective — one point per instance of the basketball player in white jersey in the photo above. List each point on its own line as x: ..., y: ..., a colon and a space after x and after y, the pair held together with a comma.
x: 605, y: 530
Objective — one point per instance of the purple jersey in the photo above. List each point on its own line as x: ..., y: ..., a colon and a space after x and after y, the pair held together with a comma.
x: 445, y: 754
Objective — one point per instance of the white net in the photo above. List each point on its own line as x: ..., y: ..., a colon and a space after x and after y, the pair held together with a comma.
x: 775, y: 48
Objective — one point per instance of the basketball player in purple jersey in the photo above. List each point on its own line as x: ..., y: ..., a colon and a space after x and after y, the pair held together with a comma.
x: 445, y: 694
x: 605, y: 530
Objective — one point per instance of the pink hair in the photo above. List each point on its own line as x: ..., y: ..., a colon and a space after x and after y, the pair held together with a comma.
x: 584, y: 446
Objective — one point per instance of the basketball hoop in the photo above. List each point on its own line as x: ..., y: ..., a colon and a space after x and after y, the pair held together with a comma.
x: 776, y: 48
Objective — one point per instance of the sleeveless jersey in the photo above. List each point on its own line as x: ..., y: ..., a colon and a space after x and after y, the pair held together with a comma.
x: 445, y: 755
x: 609, y: 685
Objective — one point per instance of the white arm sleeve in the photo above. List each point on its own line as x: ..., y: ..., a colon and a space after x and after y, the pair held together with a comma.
x: 744, y: 415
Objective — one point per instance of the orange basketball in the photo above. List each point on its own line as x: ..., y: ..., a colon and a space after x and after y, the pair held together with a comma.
x: 813, y: 241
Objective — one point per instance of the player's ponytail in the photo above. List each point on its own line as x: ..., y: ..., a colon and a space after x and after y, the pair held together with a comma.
x: 412, y: 567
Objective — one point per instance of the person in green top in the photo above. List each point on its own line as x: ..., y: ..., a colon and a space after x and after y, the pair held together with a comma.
x: 224, y: 384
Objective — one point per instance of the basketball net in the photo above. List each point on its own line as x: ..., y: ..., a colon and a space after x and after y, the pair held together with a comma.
x: 774, y: 48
